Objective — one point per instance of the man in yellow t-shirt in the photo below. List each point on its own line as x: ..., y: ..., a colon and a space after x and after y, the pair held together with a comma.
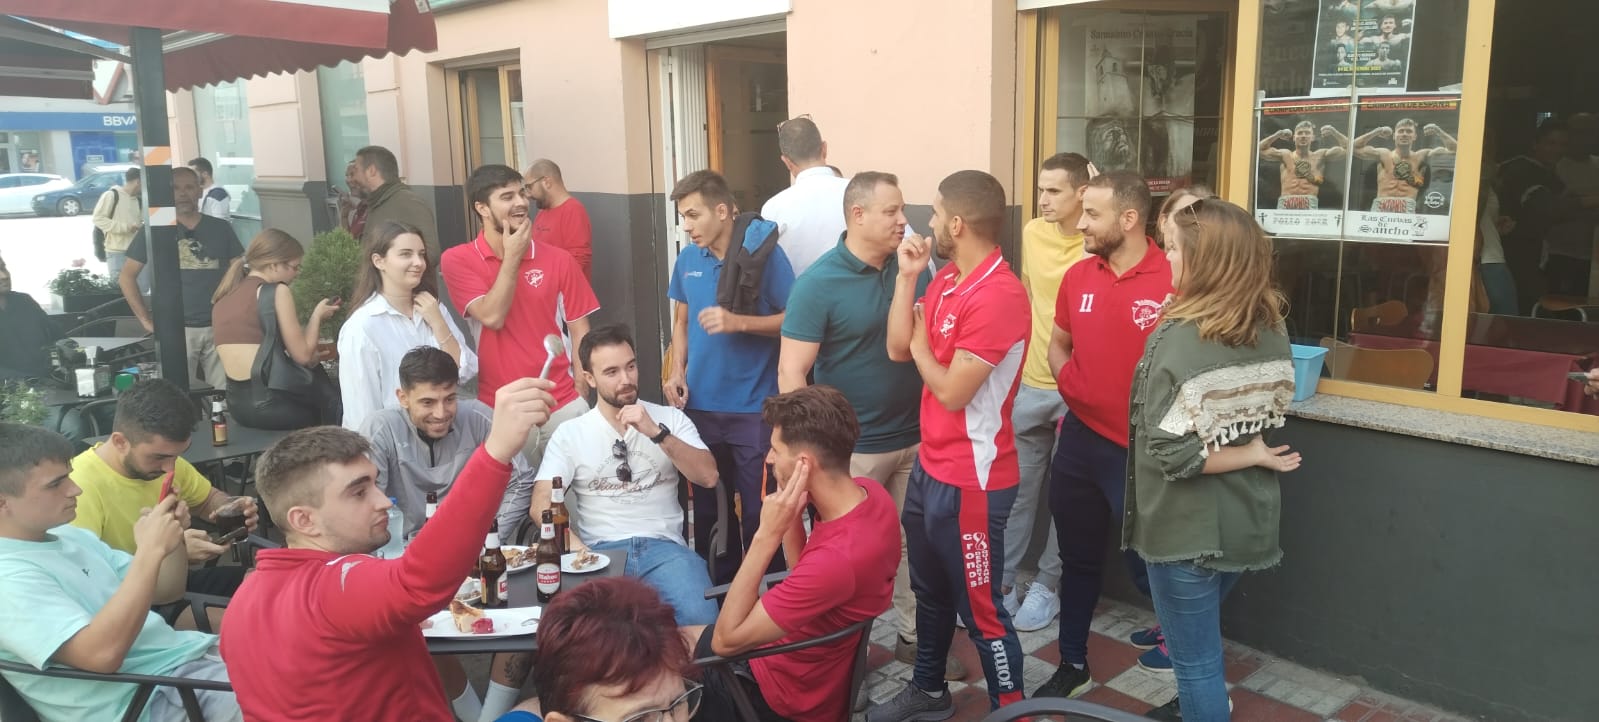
x: 1051, y: 243
x: 123, y: 475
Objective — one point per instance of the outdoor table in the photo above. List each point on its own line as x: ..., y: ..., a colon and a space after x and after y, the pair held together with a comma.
x: 110, y: 343
x: 57, y: 395
x: 524, y: 593
x: 243, y: 442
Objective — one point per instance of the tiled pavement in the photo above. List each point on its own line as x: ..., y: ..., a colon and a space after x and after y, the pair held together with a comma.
x: 1263, y: 688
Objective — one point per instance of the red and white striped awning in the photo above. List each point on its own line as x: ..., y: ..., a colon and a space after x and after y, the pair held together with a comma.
x: 212, y: 41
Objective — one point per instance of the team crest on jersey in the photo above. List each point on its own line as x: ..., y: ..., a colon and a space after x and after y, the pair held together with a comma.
x: 1146, y: 313
x: 534, y: 277
x: 947, y: 327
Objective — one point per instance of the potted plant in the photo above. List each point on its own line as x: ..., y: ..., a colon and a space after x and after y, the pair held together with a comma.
x: 22, y: 404
x: 328, y: 271
x: 78, y: 289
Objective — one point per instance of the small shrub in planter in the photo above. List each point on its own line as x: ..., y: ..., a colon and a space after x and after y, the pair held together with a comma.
x: 78, y: 289
x: 328, y: 271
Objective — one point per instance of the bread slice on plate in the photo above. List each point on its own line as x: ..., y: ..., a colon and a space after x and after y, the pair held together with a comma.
x: 468, y: 619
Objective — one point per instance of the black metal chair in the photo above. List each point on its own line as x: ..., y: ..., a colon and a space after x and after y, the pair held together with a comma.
x: 13, y: 708
x: 1069, y: 709
x: 109, y: 326
x: 723, y: 666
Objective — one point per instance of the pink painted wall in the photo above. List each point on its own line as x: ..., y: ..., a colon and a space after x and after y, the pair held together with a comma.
x: 920, y: 88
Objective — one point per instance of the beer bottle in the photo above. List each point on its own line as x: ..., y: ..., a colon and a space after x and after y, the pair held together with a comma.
x: 219, y: 424
x: 558, y: 513
x: 432, y: 506
x: 548, y: 560
x: 491, y: 571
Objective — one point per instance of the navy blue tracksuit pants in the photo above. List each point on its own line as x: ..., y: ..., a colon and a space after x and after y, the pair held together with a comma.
x: 955, y: 545
x: 1087, y: 496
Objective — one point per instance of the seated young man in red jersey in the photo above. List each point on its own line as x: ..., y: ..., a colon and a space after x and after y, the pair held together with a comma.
x: 324, y: 631
x: 842, y: 574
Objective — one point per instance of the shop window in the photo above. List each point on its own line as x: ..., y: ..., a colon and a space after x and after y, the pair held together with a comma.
x: 222, y: 122
x: 341, y: 93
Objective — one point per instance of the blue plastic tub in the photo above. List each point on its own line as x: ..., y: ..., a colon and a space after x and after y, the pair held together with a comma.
x: 1307, y: 370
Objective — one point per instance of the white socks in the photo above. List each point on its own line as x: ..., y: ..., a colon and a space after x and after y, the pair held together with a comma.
x: 467, y: 706
x: 499, y: 700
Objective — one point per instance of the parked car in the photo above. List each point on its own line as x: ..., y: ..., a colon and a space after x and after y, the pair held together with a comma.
x: 81, y: 196
x: 18, y: 189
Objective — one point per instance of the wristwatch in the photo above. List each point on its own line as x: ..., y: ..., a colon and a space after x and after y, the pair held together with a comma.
x: 665, y: 432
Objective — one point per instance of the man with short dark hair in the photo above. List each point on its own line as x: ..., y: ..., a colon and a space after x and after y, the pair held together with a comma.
x: 123, y: 475
x: 842, y: 574
x: 377, y: 172
x: 27, y: 331
x: 967, y: 336
x: 322, y: 630
x: 728, y: 291
x: 518, y: 293
x: 69, y: 600
x: 620, y: 463
x: 562, y: 221
x: 809, y: 213
x: 352, y: 203
x: 837, y: 326
x: 1107, y: 307
x: 214, y: 200
x: 421, y: 446
x: 206, y: 247
x: 119, y: 216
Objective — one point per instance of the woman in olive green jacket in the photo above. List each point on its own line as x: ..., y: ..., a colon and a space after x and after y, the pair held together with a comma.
x: 1202, y: 490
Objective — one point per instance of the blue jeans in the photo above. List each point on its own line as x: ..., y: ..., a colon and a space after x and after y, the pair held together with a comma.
x: 1501, y: 289
x: 1188, y: 602
x: 674, y: 570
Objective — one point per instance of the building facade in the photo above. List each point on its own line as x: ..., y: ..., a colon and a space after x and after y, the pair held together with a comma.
x: 1408, y: 562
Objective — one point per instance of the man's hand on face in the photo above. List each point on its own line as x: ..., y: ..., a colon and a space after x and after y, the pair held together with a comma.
x: 638, y: 418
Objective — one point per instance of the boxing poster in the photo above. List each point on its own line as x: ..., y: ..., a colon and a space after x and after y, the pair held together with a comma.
x: 1139, y: 78
x: 1301, y: 166
x: 1403, y: 174
x: 1363, y: 45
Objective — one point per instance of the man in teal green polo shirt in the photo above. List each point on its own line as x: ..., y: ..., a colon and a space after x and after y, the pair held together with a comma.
x: 837, y: 325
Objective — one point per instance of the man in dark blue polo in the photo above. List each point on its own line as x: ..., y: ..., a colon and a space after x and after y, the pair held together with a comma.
x: 728, y: 293
x: 837, y: 326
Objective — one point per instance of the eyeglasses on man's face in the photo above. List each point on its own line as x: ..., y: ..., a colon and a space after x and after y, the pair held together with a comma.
x: 680, y: 710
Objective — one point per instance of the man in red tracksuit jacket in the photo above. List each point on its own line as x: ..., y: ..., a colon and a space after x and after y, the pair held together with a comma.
x: 324, y: 631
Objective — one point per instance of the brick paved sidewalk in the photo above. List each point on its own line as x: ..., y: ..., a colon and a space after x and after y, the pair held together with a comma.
x: 1263, y: 688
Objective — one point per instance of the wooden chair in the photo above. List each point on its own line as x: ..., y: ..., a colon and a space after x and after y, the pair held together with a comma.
x: 1387, y: 313
x: 1408, y: 368
x: 1565, y: 304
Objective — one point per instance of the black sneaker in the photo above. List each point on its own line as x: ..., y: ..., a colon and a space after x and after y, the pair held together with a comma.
x: 913, y: 705
x: 1168, y: 712
x: 1068, y: 681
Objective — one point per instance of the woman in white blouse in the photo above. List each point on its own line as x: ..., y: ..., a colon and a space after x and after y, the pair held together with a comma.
x: 399, y: 310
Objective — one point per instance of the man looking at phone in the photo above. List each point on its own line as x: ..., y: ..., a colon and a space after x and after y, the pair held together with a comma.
x: 125, y: 473
x: 70, y: 600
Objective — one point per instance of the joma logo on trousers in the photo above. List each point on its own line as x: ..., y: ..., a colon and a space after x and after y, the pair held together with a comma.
x: 1001, y: 662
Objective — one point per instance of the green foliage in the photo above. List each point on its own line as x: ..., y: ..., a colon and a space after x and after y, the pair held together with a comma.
x: 81, y: 282
x: 22, y: 404
x: 328, y: 270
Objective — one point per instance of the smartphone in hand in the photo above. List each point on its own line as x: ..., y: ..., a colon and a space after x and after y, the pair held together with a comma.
x: 166, y: 486
x: 1580, y: 377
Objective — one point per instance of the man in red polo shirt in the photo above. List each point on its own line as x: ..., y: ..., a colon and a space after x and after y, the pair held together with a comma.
x: 968, y: 337
x: 562, y: 221
x: 1108, y: 304
x: 515, y: 306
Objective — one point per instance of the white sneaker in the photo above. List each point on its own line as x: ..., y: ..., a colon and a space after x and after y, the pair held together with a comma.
x: 1038, y: 609
x: 1012, y: 603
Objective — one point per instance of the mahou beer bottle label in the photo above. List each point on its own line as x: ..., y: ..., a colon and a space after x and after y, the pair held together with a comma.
x: 549, y: 578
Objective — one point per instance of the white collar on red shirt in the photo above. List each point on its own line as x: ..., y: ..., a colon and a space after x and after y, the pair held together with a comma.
x: 481, y: 245
x: 986, y: 268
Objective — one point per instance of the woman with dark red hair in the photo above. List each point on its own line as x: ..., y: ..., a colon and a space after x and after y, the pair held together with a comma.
x: 610, y: 651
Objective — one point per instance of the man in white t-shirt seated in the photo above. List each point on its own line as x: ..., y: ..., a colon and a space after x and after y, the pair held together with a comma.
x: 68, y: 600
x: 620, y: 464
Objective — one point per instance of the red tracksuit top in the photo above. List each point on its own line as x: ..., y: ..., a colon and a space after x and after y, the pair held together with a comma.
x: 313, y: 635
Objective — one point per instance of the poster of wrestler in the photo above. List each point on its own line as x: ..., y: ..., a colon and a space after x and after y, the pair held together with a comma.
x: 1363, y: 45
x: 1404, y: 168
x: 1139, y: 80
x: 1302, y: 158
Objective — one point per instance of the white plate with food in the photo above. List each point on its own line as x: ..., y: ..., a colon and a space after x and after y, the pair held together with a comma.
x: 584, y: 562
x: 517, y: 559
x: 461, y: 621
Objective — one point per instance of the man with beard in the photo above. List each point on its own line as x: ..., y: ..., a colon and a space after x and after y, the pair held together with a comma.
x: 562, y: 221
x: 1399, y: 174
x: 352, y: 204
x: 377, y: 173
x: 1303, y: 170
x: 968, y: 337
x: 1108, y: 305
x: 515, y: 306
x: 420, y: 448
x: 122, y: 476
x: 621, y: 462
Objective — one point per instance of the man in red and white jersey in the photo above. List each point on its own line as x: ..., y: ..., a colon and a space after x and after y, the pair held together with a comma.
x: 968, y: 337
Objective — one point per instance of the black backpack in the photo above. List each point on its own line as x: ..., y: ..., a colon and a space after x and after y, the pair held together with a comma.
x: 99, y: 235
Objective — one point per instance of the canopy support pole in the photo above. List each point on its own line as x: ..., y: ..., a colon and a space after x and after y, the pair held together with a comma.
x: 161, y: 230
